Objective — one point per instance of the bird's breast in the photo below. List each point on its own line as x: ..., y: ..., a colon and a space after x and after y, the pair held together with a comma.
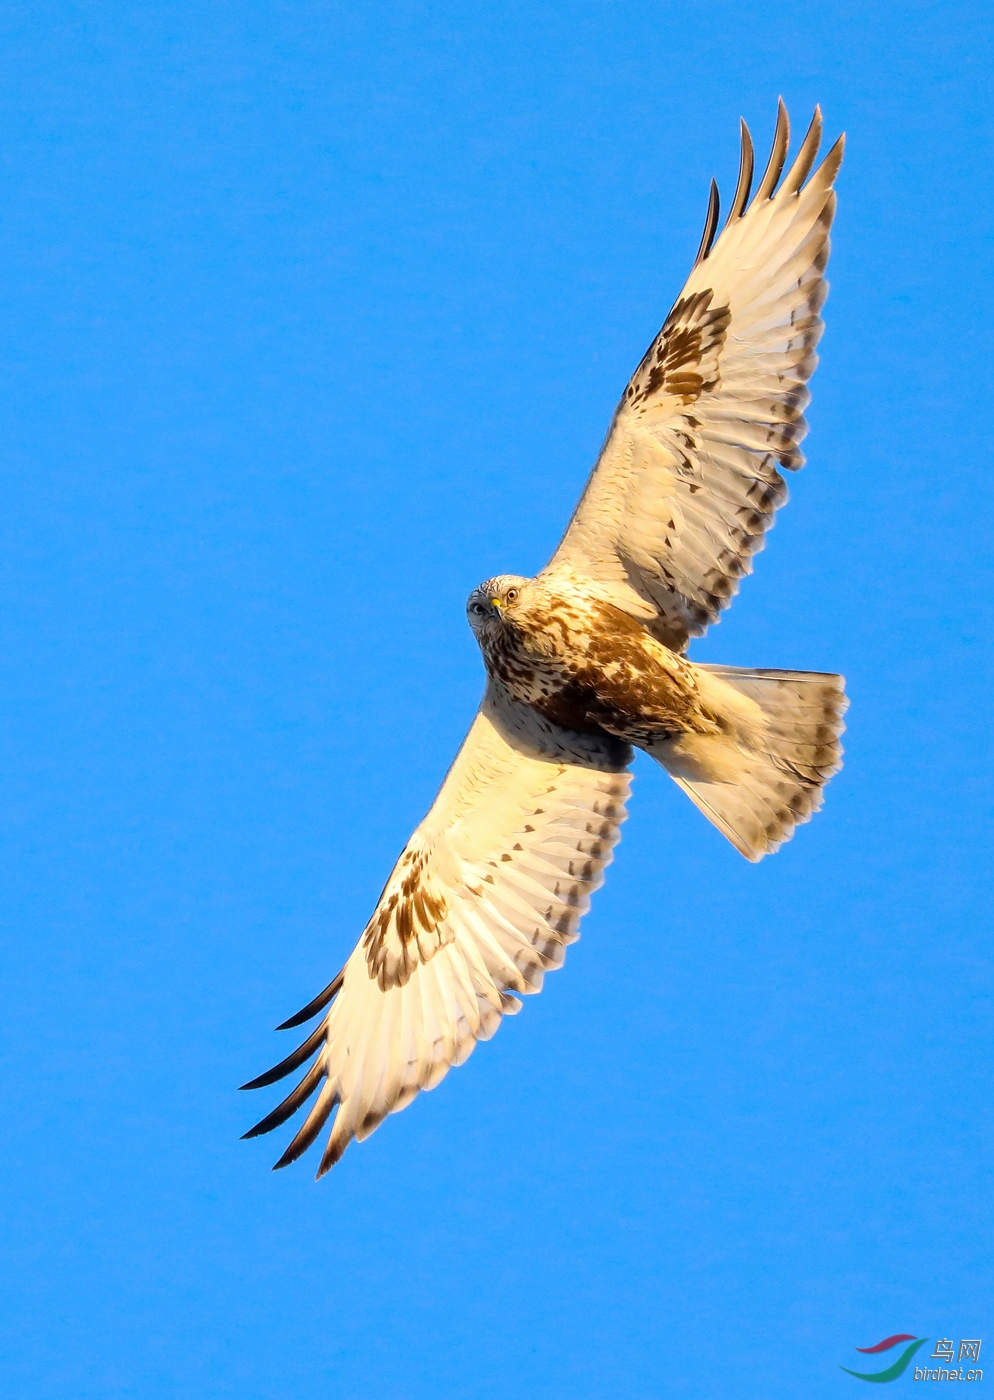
x: 594, y: 668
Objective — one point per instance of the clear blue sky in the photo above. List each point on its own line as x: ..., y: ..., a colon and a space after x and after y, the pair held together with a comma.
x: 314, y: 315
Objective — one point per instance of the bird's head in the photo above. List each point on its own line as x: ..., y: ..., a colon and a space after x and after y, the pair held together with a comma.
x: 496, y: 603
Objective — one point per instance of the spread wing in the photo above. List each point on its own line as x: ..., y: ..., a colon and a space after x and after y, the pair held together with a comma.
x: 480, y: 905
x: 687, y: 481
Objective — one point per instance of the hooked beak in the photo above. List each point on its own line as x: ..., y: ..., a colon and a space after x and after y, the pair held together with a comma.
x: 497, y: 604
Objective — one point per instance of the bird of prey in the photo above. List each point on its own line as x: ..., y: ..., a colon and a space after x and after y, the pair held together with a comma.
x: 587, y: 659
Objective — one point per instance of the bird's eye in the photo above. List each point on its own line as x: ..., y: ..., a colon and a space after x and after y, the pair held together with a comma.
x: 478, y: 608
x: 511, y: 595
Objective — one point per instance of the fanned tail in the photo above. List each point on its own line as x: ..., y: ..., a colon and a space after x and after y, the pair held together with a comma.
x: 764, y: 774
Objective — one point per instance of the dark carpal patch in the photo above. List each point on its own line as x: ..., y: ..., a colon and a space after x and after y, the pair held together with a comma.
x: 412, y: 909
x: 682, y: 362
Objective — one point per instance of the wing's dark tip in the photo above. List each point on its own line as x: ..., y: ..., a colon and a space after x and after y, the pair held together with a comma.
x: 313, y: 1124
x: 710, y: 224
x: 805, y: 157
x: 833, y: 159
x: 292, y: 1062
x: 778, y: 154
x: 742, y: 188
x: 290, y: 1104
x: 318, y: 1004
x: 332, y: 1155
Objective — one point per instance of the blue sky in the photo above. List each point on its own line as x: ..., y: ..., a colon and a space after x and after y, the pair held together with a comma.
x: 314, y: 315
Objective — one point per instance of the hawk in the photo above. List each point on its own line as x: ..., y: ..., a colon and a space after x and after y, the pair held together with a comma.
x: 588, y: 659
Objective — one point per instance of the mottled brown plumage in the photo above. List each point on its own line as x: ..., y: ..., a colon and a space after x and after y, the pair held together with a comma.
x: 584, y: 663
x: 587, y: 659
